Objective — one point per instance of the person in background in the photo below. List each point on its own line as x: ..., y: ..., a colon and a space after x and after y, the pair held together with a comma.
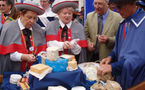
x: 141, y: 4
x: 127, y: 60
x: 5, y: 9
x: 22, y: 39
x: 48, y: 16
x: 100, y: 27
x: 81, y: 16
x: 112, y: 7
x: 69, y: 36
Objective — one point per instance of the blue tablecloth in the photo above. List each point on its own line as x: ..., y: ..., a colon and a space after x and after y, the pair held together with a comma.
x: 67, y: 79
x: 6, y: 84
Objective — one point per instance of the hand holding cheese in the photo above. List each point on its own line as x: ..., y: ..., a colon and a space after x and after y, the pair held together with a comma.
x: 28, y: 57
x: 75, y: 48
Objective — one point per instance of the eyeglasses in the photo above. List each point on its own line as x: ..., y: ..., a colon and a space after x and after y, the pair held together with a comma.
x: 2, y: 5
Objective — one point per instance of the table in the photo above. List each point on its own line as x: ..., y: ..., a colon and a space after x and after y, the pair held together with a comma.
x: 67, y: 79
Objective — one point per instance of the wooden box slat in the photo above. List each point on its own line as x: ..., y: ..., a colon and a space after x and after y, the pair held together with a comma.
x: 140, y: 86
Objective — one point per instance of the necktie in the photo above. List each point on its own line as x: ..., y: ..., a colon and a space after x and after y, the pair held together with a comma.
x: 97, y: 46
x: 27, y: 34
x: 100, y: 21
x: 64, y: 32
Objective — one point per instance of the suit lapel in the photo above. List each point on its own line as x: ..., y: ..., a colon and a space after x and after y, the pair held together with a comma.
x: 107, y: 25
x: 95, y: 22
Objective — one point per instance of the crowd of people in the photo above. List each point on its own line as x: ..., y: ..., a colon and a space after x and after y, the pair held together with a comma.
x: 112, y: 35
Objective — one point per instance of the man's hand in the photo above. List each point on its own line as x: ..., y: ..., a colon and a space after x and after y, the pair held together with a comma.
x: 102, y: 39
x: 91, y: 46
x: 67, y: 45
x: 104, y: 69
x: 105, y: 61
x: 28, y: 58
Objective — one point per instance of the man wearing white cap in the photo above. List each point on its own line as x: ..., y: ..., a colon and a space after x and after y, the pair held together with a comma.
x: 65, y: 33
x: 48, y: 16
x: 22, y: 39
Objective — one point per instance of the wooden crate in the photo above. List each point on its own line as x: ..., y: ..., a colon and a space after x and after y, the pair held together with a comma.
x: 140, y: 86
x: 1, y: 78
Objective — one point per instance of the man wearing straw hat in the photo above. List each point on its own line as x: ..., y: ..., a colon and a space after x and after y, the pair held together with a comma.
x: 128, y: 59
x: 65, y: 33
x: 22, y: 39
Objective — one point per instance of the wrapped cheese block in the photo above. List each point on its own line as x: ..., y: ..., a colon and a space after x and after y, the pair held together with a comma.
x: 106, y: 77
x: 67, y: 56
x: 43, y: 58
x: 91, y: 73
x: 97, y: 86
x: 56, y: 88
x: 72, y: 65
x: 78, y: 88
x: 112, y: 85
x: 60, y: 65
x: 15, y: 78
x: 52, y: 53
x: 24, y: 86
x: 39, y: 68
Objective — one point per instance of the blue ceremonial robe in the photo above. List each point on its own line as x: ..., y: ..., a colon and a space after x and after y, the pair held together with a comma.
x: 129, y: 51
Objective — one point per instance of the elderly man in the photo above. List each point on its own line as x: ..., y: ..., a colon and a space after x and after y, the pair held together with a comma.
x: 69, y: 36
x: 22, y: 39
x: 100, y: 27
x: 48, y: 16
x: 128, y: 59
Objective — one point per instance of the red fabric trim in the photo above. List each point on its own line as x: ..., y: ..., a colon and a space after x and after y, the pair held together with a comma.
x: 41, y: 48
x: 83, y: 43
x: 20, y: 48
x: 12, y: 48
x: 3, y: 18
x: 51, y: 37
x: 64, y: 39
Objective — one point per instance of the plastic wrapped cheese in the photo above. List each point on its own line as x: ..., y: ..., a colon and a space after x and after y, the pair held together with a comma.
x: 112, y: 85
x: 72, y: 65
x: 56, y: 88
x: 91, y: 73
x: 52, y: 53
x: 15, y: 78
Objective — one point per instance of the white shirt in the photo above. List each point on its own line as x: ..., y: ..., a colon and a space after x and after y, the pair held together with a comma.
x: 62, y: 24
x: 16, y: 56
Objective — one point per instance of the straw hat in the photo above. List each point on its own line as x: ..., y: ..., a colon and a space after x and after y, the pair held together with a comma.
x: 59, y: 4
x: 30, y: 5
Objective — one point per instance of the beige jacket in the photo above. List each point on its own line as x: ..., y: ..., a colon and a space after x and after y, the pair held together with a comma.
x: 110, y: 28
